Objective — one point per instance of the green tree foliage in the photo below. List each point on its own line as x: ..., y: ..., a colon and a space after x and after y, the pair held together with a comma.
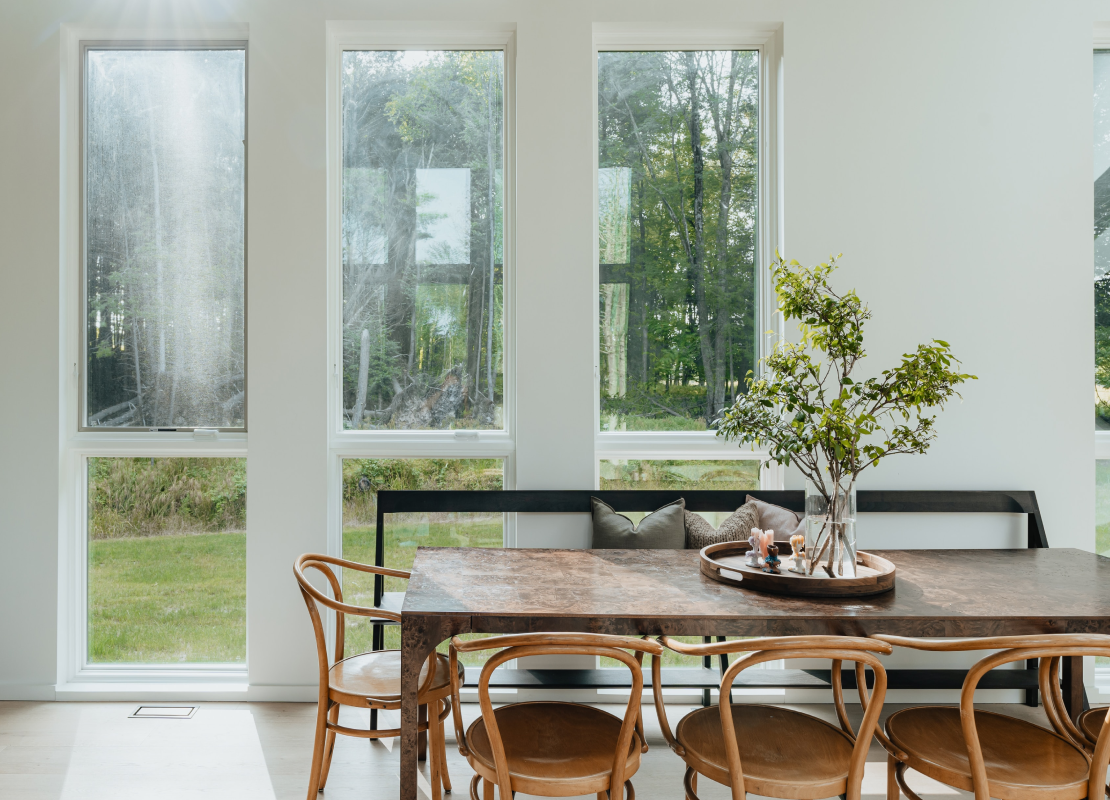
x: 808, y: 411
x: 685, y: 127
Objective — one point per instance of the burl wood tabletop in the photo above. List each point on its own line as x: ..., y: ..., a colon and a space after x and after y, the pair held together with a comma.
x: 937, y: 593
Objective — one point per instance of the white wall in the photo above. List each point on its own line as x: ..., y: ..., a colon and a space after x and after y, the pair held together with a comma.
x: 944, y: 147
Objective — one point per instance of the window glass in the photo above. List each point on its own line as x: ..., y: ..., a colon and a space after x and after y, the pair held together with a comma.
x: 677, y: 212
x: 1102, y: 507
x: 1102, y: 239
x: 362, y: 479
x: 671, y: 474
x: 422, y: 241
x: 167, y: 573
x: 164, y: 232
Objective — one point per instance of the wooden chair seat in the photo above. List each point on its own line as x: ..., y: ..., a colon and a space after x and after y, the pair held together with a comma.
x: 1023, y: 760
x: 780, y: 749
x: 554, y: 749
x: 375, y: 679
x: 1090, y: 722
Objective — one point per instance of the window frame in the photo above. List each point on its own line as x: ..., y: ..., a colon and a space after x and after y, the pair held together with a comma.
x: 695, y: 445
x: 354, y: 36
x: 446, y: 444
x: 87, y: 45
x: 77, y: 442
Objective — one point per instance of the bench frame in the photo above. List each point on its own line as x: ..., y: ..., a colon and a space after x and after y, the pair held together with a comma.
x: 705, y: 678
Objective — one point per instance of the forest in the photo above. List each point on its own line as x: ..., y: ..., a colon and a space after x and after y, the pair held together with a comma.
x: 423, y: 270
x: 164, y: 230
x: 678, y: 151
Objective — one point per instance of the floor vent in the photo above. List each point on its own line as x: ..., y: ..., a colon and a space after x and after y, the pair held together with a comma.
x: 164, y: 712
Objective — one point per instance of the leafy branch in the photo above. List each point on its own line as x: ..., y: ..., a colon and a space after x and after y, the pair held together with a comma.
x: 808, y: 411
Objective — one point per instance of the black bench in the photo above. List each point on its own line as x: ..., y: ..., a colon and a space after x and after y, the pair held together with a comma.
x: 706, y: 678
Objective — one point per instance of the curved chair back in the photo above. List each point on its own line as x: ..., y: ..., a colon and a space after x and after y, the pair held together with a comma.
x: 863, y: 652
x: 313, y: 596
x: 541, y: 644
x: 1049, y: 648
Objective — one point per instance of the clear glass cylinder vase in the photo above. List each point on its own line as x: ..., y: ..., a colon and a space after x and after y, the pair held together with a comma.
x: 830, y: 519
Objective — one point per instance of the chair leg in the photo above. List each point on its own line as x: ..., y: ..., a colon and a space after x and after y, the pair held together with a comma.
x: 329, y: 746
x: 444, y: 775
x: 892, y: 792
x: 318, y: 750
x: 487, y: 790
x: 690, y: 784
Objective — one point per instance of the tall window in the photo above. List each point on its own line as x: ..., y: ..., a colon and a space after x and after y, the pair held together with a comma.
x: 419, y: 209
x: 678, y: 151
x: 164, y: 199
x: 163, y: 353
x: 422, y: 239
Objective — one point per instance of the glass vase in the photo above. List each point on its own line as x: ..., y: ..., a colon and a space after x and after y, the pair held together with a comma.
x: 831, y: 529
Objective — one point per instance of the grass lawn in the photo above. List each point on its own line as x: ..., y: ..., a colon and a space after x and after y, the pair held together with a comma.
x: 168, y: 599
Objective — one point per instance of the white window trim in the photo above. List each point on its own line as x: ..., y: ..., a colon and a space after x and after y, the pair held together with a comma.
x: 693, y: 445
x: 344, y: 444
x: 75, y: 675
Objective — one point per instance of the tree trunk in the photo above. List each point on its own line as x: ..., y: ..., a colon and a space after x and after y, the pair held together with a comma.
x: 697, y: 261
x: 363, y: 368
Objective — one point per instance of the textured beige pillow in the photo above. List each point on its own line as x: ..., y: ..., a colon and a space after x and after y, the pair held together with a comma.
x: 737, y: 528
x: 784, y: 522
x: 660, y: 530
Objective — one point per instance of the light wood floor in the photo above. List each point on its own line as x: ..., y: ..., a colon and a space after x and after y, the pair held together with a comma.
x: 261, y: 751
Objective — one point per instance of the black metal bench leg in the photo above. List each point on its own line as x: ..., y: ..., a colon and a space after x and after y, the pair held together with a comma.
x: 706, y: 662
x: 1032, y: 696
x: 724, y: 666
x: 377, y: 642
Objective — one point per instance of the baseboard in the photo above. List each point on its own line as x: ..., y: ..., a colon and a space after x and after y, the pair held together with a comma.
x: 27, y: 691
x: 184, y: 692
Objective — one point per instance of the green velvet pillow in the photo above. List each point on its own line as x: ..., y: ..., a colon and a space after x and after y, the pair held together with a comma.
x: 663, y: 529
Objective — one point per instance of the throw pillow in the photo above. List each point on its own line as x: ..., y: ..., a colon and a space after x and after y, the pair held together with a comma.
x: 737, y: 528
x: 784, y: 522
x: 662, y: 529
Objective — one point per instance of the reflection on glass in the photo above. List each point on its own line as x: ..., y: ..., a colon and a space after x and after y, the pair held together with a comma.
x: 422, y: 239
x: 164, y: 223
x: 1102, y: 239
x: 167, y: 577
x: 677, y: 201
x: 362, y: 479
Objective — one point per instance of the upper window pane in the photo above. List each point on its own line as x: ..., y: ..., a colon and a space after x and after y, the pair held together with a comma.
x: 677, y: 203
x: 1102, y: 239
x: 164, y: 228
x: 422, y: 249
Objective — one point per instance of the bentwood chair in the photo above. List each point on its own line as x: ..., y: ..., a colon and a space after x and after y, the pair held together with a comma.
x: 552, y: 749
x: 368, y: 680
x: 772, y: 751
x: 994, y: 755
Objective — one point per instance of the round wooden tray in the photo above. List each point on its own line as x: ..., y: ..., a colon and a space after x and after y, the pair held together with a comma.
x: 726, y: 562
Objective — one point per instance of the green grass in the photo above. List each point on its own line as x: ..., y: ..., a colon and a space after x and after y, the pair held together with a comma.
x: 168, y: 599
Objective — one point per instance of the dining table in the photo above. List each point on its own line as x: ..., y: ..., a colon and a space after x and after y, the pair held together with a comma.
x: 941, y: 593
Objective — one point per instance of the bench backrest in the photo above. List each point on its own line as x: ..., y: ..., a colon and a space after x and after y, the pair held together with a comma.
x: 391, y: 501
